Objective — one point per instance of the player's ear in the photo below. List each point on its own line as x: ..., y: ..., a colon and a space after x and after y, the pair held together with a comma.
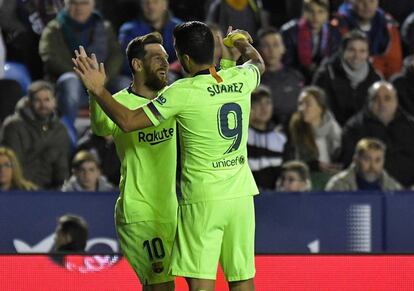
x: 186, y: 58
x: 137, y: 65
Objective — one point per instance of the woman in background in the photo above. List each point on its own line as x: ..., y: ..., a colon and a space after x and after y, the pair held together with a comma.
x: 315, y: 136
x: 11, y: 176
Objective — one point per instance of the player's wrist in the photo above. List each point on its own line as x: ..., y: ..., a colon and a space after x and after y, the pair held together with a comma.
x: 227, y: 63
x: 97, y: 90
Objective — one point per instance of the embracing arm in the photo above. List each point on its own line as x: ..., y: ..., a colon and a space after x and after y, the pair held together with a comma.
x: 93, y: 77
x: 128, y: 120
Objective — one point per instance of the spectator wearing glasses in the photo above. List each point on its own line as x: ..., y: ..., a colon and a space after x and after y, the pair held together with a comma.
x: 294, y: 177
x: 11, y: 176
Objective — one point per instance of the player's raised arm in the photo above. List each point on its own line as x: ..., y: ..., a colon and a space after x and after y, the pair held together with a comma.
x: 242, y: 41
x: 93, y: 77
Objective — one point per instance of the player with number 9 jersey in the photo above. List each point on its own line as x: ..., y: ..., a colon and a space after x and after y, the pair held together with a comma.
x: 212, y: 110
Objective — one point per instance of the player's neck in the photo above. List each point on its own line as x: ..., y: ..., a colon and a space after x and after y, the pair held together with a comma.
x: 195, y: 68
x: 142, y: 90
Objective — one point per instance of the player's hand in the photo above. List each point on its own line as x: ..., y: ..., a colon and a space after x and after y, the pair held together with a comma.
x: 89, y: 71
x: 236, y: 35
x: 229, y: 53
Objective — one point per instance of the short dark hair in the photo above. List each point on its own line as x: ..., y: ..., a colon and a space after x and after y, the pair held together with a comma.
x: 352, y: 36
x: 195, y: 39
x: 265, y: 32
x: 136, y: 47
x: 260, y: 93
x: 77, y: 228
x: 39, y: 85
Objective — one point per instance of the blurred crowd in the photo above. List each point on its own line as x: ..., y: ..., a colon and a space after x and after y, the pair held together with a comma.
x: 333, y: 111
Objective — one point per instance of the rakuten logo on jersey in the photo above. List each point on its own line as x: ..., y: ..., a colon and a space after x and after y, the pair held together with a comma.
x: 156, y: 137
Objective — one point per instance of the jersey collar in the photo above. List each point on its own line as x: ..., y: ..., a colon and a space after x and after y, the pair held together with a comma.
x: 129, y: 89
x: 210, y: 71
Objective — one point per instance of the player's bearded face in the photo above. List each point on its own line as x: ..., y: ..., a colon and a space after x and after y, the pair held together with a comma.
x: 156, y: 77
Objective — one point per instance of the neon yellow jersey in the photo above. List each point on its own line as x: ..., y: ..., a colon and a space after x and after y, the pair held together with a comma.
x: 213, y: 118
x: 148, y: 164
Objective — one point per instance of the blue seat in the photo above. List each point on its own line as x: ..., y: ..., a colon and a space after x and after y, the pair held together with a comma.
x: 19, y: 72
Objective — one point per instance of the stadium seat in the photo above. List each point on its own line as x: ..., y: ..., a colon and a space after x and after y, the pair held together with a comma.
x: 10, y: 93
x: 19, y: 72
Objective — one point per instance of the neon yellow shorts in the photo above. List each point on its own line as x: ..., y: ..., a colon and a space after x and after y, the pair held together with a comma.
x: 147, y: 246
x: 213, y: 231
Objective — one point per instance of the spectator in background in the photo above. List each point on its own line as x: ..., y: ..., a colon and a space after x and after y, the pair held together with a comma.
x: 285, y: 82
x: 246, y: 15
x: 38, y: 138
x: 103, y: 147
x: 78, y: 24
x: 71, y: 234
x: 86, y: 175
x: 315, y: 136
x: 23, y: 21
x: 384, y: 120
x: 367, y: 170
x: 265, y: 144
x: 11, y: 176
x: 407, y: 33
x: 314, y: 131
x: 294, y: 177
x: 404, y: 84
x: 381, y: 29
x: 347, y: 77
x: 310, y: 38
x: 156, y: 17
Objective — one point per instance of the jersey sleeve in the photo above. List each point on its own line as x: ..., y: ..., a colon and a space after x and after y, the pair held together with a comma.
x: 251, y: 74
x: 227, y: 64
x: 101, y: 124
x: 168, y: 104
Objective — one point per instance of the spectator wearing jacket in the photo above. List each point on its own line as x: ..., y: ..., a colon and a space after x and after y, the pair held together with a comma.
x: 86, y: 175
x: 39, y: 139
x: 103, y: 147
x: 385, y: 120
x: 367, y: 170
x: 310, y: 38
x: 265, y: 144
x: 284, y: 82
x: 78, y: 24
x: 381, y: 29
x: 315, y: 134
x: 155, y: 17
x: 347, y: 77
x: 404, y: 84
x: 247, y: 15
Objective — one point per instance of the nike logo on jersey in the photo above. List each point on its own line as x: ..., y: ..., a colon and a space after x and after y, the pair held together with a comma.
x: 156, y: 137
x: 223, y: 88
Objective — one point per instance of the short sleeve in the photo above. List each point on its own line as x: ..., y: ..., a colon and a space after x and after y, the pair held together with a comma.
x: 252, y: 75
x: 169, y: 104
